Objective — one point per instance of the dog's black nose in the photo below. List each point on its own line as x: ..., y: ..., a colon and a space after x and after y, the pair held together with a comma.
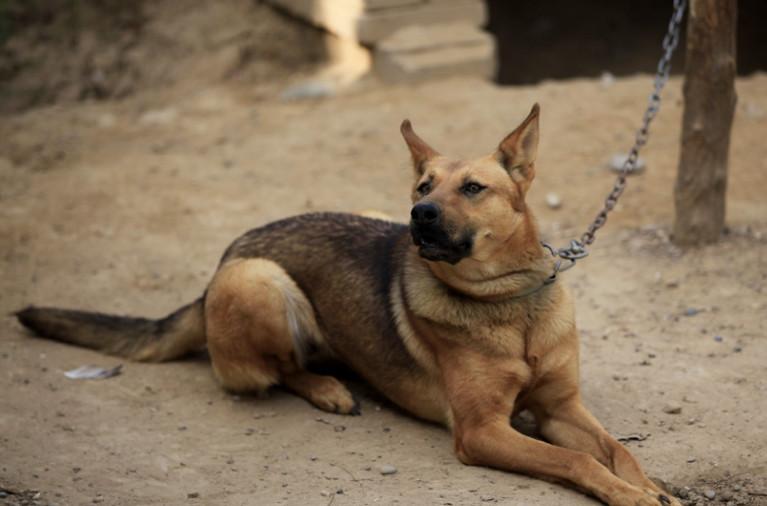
x: 425, y: 214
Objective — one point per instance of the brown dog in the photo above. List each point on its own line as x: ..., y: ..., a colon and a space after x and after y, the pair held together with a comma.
x: 450, y: 318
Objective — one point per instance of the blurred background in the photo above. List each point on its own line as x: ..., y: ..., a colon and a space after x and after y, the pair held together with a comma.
x: 64, y: 50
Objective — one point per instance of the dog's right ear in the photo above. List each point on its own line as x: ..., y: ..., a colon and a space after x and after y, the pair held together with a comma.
x: 419, y: 150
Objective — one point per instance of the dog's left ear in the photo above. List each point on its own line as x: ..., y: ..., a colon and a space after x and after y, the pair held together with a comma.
x: 517, y: 152
x: 419, y: 150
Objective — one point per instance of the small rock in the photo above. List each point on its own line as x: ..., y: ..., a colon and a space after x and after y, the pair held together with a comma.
x: 710, y: 494
x: 387, y: 469
x: 691, y: 460
x: 672, y: 409
x: 618, y: 160
x: 339, y: 428
x: 486, y: 498
x: 691, y: 311
x: 718, y: 339
x: 553, y: 200
x: 754, y: 111
x: 683, y: 493
x: 192, y: 495
x: 308, y: 90
x: 606, y: 79
x: 106, y: 120
x: 158, y: 117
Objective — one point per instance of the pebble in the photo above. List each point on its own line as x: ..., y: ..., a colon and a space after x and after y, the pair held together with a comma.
x: 672, y: 409
x: 691, y: 460
x: 754, y: 111
x: 691, y: 311
x: 387, y: 469
x: 158, y: 117
x: 617, y: 161
x: 718, y: 339
x: 606, y: 79
x: 553, y: 200
x: 308, y: 90
x: 709, y: 493
x: 192, y: 495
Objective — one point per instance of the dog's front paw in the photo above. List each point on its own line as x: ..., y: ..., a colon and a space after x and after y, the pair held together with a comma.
x: 667, y: 499
x: 655, y: 498
x: 636, y: 496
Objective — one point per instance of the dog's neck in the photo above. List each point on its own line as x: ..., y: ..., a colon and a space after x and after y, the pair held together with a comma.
x: 519, y: 265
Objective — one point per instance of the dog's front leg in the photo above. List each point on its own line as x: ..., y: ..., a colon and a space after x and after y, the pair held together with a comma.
x: 482, y: 395
x: 569, y: 424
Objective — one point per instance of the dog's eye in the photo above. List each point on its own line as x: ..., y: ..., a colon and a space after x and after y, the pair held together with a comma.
x: 472, y: 188
x: 424, y: 188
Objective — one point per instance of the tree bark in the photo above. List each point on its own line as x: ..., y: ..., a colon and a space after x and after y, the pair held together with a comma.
x: 709, y: 106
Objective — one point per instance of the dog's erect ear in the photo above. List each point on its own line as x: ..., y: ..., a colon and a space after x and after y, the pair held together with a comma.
x: 419, y: 150
x: 518, y: 150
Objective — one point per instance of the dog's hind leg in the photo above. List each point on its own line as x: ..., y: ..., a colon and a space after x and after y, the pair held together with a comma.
x: 259, y: 326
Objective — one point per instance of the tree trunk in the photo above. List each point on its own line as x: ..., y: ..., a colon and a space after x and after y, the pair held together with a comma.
x: 709, y: 106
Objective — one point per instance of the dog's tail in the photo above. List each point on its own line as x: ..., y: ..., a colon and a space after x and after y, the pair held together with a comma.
x: 141, y: 339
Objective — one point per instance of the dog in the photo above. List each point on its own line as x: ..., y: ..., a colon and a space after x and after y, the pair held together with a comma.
x: 451, y: 317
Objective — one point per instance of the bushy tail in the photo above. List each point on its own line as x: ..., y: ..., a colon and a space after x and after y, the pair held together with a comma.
x: 141, y: 339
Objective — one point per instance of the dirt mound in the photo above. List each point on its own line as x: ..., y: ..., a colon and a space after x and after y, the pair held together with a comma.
x: 61, y: 50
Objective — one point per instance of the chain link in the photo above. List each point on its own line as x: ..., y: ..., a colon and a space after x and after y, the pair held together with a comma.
x: 670, y: 42
x: 577, y: 248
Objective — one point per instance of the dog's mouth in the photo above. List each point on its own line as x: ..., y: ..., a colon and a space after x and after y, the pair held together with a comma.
x: 435, y: 244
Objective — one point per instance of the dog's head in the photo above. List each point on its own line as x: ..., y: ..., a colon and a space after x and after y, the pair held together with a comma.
x: 471, y: 209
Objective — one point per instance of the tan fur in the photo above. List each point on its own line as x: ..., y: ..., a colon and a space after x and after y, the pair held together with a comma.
x: 258, y: 324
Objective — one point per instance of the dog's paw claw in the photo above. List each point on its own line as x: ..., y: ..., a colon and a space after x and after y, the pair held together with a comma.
x: 357, y: 408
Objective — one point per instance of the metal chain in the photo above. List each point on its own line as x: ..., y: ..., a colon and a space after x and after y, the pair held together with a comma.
x: 577, y: 248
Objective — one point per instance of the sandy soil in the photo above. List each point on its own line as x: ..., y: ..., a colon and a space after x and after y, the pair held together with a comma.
x: 126, y: 206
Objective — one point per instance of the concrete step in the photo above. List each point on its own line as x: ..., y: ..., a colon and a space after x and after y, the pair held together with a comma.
x: 374, y: 26
x: 427, y: 52
x: 421, y: 38
x: 369, y: 21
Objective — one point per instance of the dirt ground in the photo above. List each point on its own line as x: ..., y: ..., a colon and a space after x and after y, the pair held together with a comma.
x: 125, y: 206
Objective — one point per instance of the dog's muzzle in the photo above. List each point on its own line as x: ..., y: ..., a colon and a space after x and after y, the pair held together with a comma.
x: 433, y: 241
